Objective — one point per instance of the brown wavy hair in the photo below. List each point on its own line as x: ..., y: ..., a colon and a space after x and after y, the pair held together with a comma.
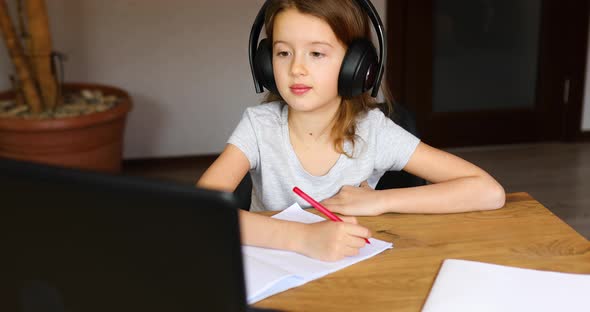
x: 348, y: 22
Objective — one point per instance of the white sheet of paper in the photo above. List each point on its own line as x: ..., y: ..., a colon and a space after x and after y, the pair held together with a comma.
x: 270, y: 271
x: 463, y: 285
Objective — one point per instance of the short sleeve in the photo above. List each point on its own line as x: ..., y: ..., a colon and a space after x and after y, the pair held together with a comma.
x: 244, y: 137
x: 394, y: 145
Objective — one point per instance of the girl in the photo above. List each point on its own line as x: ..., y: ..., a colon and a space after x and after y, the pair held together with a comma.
x: 333, y: 148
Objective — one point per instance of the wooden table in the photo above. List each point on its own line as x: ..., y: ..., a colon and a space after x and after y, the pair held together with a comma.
x: 522, y: 234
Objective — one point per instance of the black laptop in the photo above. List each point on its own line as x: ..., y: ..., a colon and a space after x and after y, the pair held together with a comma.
x: 81, y: 241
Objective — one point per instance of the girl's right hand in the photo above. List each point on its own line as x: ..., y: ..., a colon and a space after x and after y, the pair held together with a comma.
x: 332, y: 241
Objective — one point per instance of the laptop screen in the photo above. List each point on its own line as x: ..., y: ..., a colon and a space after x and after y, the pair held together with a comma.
x: 81, y: 241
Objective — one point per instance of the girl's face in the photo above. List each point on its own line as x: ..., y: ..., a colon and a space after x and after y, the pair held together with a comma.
x: 306, y: 61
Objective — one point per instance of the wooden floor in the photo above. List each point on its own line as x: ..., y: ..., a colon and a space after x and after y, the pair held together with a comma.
x: 556, y: 174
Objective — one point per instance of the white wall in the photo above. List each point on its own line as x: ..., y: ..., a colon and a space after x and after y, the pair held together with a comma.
x: 184, y: 62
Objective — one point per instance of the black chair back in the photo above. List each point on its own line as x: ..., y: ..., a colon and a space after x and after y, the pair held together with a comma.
x: 400, y: 179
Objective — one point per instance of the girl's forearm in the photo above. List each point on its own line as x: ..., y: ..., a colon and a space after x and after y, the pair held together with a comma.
x: 262, y: 231
x: 459, y: 195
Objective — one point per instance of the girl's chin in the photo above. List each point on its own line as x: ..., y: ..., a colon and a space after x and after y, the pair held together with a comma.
x: 307, y: 107
x: 302, y: 106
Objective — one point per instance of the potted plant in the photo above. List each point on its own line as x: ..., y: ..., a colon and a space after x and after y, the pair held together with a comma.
x: 45, y: 120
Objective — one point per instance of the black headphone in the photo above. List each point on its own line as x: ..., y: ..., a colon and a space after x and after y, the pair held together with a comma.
x: 360, y: 70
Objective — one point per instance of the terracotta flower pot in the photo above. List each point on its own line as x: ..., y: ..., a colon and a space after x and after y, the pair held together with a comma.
x: 92, y: 142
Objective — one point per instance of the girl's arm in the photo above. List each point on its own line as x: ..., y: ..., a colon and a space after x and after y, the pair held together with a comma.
x: 457, y: 186
x: 324, y: 240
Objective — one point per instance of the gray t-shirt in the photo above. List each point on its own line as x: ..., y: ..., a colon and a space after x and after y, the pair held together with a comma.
x: 263, y: 136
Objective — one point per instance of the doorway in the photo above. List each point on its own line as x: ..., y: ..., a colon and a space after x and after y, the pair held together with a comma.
x: 478, y: 72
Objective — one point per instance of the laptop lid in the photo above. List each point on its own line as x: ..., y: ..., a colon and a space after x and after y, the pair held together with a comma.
x: 82, y: 241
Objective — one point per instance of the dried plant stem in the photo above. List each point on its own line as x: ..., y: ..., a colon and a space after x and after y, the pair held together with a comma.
x: 19, y: 60
x: 19, y: 98
x: 22, y: 26
x: 40, y: 51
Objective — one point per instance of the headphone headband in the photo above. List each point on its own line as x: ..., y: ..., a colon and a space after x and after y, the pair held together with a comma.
x: 254, y: 34
x: 380, y: 31
x: 369, y: 9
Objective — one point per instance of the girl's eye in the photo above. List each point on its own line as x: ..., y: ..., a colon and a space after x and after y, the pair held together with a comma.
x: 282, y: 53
x: 317, y: 54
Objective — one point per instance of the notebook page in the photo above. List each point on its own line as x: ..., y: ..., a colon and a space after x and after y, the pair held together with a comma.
x: 265, y: 275
x: 299, y: 268
x: 463, y: 285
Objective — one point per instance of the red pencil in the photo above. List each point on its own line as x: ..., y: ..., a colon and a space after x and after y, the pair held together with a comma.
x: 319, y: 207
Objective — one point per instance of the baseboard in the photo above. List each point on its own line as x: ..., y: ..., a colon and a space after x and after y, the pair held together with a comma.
x: 169, y: 162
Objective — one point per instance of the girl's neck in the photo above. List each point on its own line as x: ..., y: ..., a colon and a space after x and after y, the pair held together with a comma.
x: 314, y: 126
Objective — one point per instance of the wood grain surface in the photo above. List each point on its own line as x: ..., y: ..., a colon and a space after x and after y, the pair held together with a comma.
x: 522, y: 234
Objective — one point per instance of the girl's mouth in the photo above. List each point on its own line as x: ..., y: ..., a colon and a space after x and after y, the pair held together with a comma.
x: 299, y: 89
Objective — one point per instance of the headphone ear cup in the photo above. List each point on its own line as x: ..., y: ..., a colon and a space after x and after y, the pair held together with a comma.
x: 263, y: 66
x: 359, y: 66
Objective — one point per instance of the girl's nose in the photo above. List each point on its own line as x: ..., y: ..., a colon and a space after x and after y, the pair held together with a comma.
x: 298, y: 67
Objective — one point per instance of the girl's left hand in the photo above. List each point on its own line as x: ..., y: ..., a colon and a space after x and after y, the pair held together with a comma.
x: 355, y: 201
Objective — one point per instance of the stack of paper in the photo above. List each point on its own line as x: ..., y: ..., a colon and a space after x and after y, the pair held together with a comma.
x: 270, y: 271
x: 474, y: 286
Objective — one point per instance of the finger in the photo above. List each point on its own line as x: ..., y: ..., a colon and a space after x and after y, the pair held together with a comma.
x: 365, y: 184
x: 349, y: 220
x: 358, y: 230
x: 339, y: 208
x: 356, y: 242
x: 350, y: 251
x: 334, y: 200
x: 333, y: 208
x: 329, y: 201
